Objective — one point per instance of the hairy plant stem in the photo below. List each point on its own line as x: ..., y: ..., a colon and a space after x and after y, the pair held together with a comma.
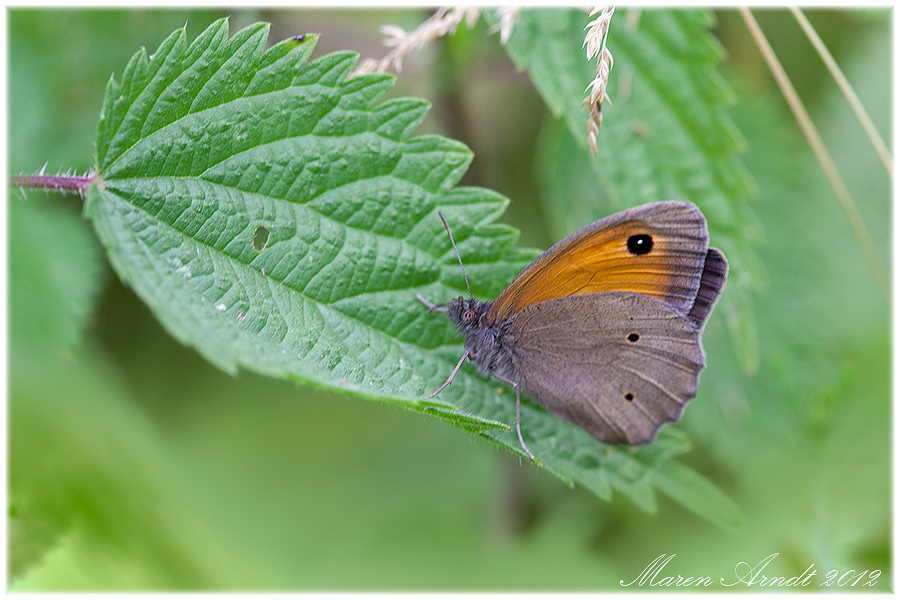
x: 62, y: 183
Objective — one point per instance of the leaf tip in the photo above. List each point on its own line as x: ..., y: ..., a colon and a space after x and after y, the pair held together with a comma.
x: 303, y: 38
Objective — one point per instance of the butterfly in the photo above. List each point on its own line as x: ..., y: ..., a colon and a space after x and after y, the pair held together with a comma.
x: 603, y: 329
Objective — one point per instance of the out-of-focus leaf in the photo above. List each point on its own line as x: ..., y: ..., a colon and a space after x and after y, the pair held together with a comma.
x: 91, y: 477
x: 56, y: 271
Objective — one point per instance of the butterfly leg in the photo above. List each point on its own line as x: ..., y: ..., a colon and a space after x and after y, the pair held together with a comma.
x: 518, y: 419
x: 519, y: 426
x: 449, y: 379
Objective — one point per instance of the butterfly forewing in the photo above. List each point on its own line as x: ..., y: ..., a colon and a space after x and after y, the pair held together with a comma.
x: 619, y: 365
x: 658, y: 250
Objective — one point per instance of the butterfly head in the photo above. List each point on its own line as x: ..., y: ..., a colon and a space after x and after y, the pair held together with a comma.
x: 468, y: 313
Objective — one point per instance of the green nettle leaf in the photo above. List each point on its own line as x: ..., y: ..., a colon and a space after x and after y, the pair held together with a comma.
x: 664, y: 136
x: 277, y: 217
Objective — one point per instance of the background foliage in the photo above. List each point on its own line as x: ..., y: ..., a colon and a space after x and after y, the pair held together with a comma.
x: 135, y: 464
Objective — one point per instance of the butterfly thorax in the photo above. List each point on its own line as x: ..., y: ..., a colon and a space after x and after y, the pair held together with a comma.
x: 487, y: 343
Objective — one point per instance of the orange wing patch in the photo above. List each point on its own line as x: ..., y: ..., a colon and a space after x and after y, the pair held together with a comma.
x: 598, y: 259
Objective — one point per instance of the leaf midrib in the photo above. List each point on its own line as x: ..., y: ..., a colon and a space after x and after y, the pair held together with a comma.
x: 325, y: 217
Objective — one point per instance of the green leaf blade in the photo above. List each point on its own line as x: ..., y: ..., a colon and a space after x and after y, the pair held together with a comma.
x: 343, y: 196
x: 398, y: 118
x: 142, y: 84
x: 697, y: 493
x: 232, y: 76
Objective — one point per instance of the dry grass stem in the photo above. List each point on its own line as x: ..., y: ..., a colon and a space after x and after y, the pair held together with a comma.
x: 443, y: 22
x: 824, y: 158
x: 847, y: 89
x: 595, y: 43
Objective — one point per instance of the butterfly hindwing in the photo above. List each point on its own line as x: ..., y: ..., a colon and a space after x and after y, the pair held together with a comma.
x: 617, y: 364
x: 715, y: 270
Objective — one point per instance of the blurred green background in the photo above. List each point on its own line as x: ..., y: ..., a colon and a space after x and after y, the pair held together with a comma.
x: 133, y: 464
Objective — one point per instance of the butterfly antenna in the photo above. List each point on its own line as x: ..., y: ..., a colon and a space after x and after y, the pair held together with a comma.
x: 450, y: 235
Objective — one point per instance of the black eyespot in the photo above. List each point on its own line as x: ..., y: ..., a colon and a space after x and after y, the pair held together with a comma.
x: 633, y: 337
x: 640, y: 244
x: 629, y: 397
